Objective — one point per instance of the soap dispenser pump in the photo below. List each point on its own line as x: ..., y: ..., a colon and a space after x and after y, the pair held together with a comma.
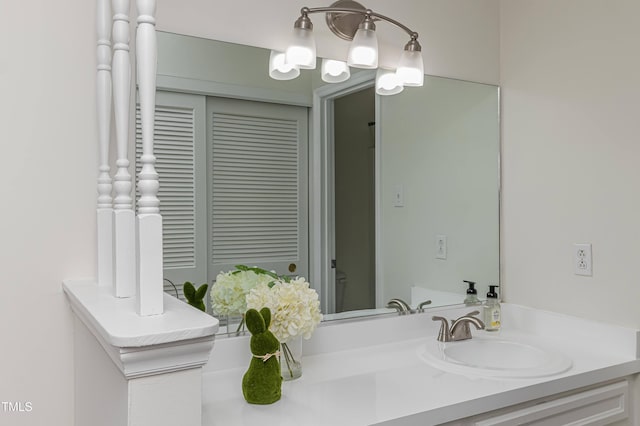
x: 492, y: 311
x: 472, y: 294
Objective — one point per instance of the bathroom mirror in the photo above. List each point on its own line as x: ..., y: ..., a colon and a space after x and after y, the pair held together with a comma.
x: 427, y: 217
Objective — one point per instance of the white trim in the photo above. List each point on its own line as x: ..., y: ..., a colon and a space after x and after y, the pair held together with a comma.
x: 140, y: 346
x: 321, y: 197
x: 224, y: 90
x: 380, y: 302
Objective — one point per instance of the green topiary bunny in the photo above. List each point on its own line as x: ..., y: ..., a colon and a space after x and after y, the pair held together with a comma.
x: 195, y: 297
x: 261, y: 384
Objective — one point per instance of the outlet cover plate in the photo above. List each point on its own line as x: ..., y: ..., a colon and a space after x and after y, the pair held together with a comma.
x: 582, y: 260
x: 441, y: 247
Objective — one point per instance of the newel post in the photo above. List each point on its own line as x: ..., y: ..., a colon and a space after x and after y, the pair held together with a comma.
x: 103, y: 95
x: 150, y: 280
x: 123, y: 214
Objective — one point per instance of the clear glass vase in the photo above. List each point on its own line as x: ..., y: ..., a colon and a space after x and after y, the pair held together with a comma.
x: 291, y: 358
x: 235, y: 325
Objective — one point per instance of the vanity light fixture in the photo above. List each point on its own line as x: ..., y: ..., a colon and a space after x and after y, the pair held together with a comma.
x: 351, y: 21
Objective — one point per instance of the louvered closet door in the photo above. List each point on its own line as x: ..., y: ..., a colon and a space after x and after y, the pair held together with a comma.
x: 258, y: 186
x: 180, y: 151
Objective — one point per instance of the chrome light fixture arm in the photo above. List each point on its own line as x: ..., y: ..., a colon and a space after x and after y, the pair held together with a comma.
x: 305, y: 11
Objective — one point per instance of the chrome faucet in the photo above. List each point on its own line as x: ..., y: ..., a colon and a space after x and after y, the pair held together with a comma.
x: 460, y: 329
x: 399, y: 305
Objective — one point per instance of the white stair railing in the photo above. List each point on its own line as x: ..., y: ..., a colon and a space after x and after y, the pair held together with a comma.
x: 123, y: 214
x: 129, y: 251
x: 149, y: 286
x: 103, y: 104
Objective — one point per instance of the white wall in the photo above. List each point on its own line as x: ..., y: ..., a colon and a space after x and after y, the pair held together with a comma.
x: 459, y: 38
x: 48, y: 197
x: 571, y: 127
x: 48, y: 137
x: 569, y: 72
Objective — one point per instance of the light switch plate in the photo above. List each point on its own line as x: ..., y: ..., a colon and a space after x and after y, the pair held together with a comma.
x: 398, y: 196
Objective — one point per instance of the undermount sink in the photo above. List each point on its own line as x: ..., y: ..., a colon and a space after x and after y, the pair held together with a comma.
x: 494, y: 356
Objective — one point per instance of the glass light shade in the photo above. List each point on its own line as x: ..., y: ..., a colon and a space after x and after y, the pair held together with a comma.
x: 334, y: 71
x: 302, y: 51
x: 388, y: 83
x: 279, y: 69
x: 363, y: 52
x: 410, y: 68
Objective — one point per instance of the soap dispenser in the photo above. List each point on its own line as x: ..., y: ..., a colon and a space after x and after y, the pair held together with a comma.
x: 472, y: 294
x: 492, y: 312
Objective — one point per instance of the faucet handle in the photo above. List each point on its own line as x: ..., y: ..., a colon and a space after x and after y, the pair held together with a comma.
x: 472, y: 313
x: 444, y: 335
x: 422, y: 305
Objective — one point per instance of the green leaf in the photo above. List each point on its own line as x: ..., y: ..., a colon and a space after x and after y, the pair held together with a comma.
x: 257, y: 270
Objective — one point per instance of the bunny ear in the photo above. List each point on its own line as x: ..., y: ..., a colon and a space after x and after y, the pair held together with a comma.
x: 266, y: 314
x: 255, y: 322
x: 189, y: 290
x: 201, y: 291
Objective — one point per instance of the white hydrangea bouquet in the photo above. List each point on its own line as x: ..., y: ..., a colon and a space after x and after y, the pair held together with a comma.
x: 294, y: 305
x: 229, y: 292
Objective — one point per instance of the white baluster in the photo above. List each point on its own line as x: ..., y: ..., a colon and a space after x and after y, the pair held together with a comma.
x: 103, y: 91
x: 150, y: 285
x: 123, y: 214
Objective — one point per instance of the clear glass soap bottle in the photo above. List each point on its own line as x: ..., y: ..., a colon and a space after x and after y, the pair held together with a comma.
x: 472, y: 294
x: 492, y: 313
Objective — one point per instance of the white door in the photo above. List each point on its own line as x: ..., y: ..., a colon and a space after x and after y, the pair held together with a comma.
x: 258, y: 190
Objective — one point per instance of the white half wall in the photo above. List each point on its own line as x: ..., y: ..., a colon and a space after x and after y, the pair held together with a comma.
x: 571, y: 126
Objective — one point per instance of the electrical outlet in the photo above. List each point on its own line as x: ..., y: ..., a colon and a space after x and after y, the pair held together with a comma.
x: 582, y: 259
x: 441, y: 246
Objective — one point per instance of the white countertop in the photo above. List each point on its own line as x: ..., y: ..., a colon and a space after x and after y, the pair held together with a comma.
x: 369, y: 372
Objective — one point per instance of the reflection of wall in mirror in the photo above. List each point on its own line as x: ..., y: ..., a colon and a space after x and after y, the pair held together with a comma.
x: 447, y: 162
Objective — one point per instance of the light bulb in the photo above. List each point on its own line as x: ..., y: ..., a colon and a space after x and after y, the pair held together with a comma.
x: 302, y: 50
x: 363, y: 52
x: 388, y: 83
x: 279, y: 69
x: 411, y: 68
x: 334, y: 71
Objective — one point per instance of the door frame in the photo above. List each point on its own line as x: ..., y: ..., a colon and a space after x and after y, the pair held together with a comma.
x: 321, y: 187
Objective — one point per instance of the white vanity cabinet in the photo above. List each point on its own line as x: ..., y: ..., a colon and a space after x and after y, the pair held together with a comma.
x: 363, y: 380
x: 604, y: 404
